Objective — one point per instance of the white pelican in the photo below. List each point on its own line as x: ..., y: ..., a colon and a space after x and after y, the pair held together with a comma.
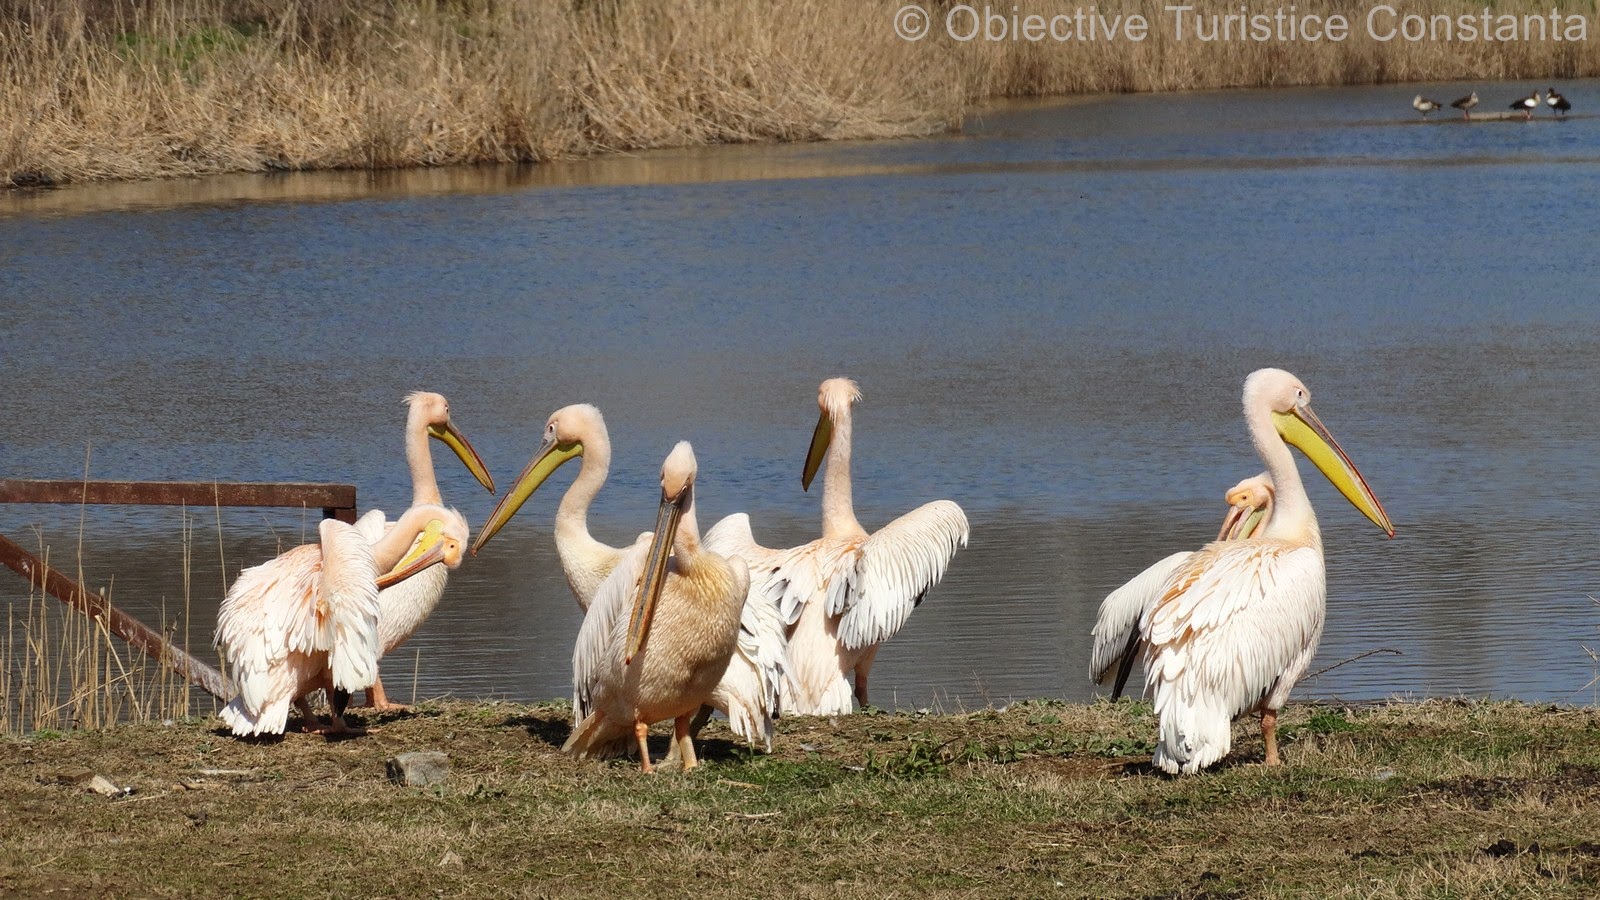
x: 403, y: 608
x: 664, y: 659
x: 845, y: 593
x: 1116, y: 628
x: 1237, y: 623
x: 1423, y: 105
x: 572, y: 431
x: 1528, y: 104
x: 309, y: 619
x: 749, y: 691
x: 1557, y: 102
x: 1465, y: 104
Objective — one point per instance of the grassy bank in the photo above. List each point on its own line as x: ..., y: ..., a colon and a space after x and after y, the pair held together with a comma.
x: 1409, y: 800
x: 105, y: 89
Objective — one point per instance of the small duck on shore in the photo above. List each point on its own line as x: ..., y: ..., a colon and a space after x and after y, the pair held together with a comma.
x: 1423, y: 105
x: 1528, y: 104
x: 1465, y: 104
x: 1557, y: 102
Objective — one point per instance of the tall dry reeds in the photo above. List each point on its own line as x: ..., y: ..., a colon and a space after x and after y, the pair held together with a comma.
x: 140, y: 88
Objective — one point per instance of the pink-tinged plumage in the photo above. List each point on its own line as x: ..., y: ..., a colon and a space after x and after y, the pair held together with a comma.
x: 308, y: 619
x: 844, y: 594
x: 683, y: 647
x: 1117, y: 640
x: 1236, y: 624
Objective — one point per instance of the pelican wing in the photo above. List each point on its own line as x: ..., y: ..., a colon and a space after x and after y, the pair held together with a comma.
x: 270, y: 611
x: 348, y: 611
x: 762, y: 640
x: 1229, y: 623
x: 597, y: 647
x: 372, y: 524
x: 894, y: 569
x: 1121, y: 611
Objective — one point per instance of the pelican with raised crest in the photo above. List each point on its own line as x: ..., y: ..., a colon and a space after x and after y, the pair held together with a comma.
x: 1116, y: 629
x: 1236, y: 624
x: 660, y: 632
x: 309, y: 619
x: 403, y: 608
x: 847, y: 592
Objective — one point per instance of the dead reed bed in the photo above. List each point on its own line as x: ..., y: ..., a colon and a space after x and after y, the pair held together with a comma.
x: 117, y: 89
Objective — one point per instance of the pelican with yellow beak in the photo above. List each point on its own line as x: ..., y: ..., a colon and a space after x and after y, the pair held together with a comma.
x: 1237, y: 623
x: 572, y: 432
x: 660, y: 632
x: 1116, y: 629
x: 308, y: 619
x: 403, y: 608
x: 844, y: 594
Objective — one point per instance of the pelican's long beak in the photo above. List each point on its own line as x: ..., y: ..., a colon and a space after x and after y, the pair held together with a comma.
x: 819, y: 448
x: 549, y: 457
x: 428, y: 550
x: 655, y: 573
x: 1302, y: 428
x: 457, y: 442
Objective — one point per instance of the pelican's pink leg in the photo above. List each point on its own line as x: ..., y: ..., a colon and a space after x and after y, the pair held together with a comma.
x: 641, y: 733
x: 684, y: 743
x: 1269, y: 734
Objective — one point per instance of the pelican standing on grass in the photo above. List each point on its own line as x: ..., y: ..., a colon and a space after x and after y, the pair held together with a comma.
x: 748, y: 693
x: 576, y: 431
x: 663, y: 659
x: 846, y: 593
x: 1237, y: 623
x: 308, y: 619
x: 1116, y: 629
x: 403, y: 608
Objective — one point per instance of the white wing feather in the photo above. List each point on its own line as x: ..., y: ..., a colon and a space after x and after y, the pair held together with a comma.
x: 269, y: 612
x: 1235, y: 623
x: 597, y: 637
x: 349, y: 631
x: 372, y: 525
x: 895, y: 568
x: 1121, y: 611
x: 762, y: 643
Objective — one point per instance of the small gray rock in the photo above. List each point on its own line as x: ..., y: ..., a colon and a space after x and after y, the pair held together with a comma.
x: 418, y: 768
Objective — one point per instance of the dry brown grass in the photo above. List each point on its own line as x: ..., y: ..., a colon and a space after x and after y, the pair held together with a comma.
x: 104, y: 89
x: 1437, y: 799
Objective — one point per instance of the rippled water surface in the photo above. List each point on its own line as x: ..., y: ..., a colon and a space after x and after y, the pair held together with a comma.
x: 1050, y: 315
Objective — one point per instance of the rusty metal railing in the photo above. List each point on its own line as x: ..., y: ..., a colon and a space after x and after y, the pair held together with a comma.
x: 337, y: 501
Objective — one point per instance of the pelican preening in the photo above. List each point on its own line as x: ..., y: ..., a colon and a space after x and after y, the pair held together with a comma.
x: 309, y: 618
x: 1465, y: 104
x: 1116, y: 629
x: 847, y: 592
x: 1423, y: 105
x: 664, y: 658
x: 403, y: 608
x: 1235, y: 624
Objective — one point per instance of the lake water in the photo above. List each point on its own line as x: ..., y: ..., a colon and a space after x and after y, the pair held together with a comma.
x: 1050, y: 315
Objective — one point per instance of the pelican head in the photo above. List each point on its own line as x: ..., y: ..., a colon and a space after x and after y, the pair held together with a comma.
x: 441, y: 537
x: 1289, y: 403
x: 1250, y: 504
x: 564, y: 434
x: 677, y: 494
x: 434, y: 411
x: 834, y: 398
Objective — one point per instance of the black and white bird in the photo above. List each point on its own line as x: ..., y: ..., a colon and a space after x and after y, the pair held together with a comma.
x: 1465, y: 104
x: 1423, y: 105
x: 1528, y: 104
x: 1557, y: 102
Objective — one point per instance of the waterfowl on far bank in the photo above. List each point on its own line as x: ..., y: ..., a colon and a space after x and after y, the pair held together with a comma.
x: 1528, y: 104
x: 1557, y: 102
x: 1465, y: 104
x: 1423, y: 105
